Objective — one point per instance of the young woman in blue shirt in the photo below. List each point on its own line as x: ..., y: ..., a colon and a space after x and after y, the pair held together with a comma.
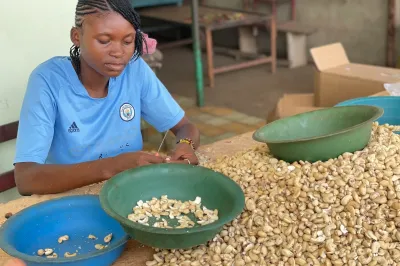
x: 81, y: 115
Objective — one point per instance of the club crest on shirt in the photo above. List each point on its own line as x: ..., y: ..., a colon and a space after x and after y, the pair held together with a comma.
x: 127, y: 112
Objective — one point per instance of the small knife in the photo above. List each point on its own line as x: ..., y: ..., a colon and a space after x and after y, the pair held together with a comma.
x: 162, y: 142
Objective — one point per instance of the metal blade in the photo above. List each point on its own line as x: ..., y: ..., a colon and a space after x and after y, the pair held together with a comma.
x: 162, y: 142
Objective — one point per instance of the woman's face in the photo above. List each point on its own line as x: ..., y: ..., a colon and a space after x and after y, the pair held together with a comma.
x: 106, y: 42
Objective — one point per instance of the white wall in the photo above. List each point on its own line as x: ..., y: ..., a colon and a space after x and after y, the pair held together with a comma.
x: 31, y: 32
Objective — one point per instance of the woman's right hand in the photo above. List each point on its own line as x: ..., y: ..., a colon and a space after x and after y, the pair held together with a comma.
x: 136, y: 159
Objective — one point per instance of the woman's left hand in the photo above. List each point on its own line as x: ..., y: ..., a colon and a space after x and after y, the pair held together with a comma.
x: 15, y: 262
x: 184, y: 153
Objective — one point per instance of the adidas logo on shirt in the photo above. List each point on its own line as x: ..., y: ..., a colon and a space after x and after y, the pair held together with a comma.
x: 73, y: 128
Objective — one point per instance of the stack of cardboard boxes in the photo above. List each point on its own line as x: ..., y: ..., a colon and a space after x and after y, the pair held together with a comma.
x: 336, y: 80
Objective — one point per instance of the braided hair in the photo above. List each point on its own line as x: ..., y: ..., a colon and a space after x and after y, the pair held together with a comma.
x: 123, y: 7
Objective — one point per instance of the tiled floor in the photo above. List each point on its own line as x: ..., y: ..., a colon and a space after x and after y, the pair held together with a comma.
x: 214, y: 124
x: 253, y: 91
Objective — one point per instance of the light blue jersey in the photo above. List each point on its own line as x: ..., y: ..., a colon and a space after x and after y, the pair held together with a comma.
x: 61, y: 124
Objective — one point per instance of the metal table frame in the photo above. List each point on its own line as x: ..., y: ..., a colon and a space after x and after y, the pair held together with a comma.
x: 268, y: 21
x: 197, y: 53
x: 253, y: 18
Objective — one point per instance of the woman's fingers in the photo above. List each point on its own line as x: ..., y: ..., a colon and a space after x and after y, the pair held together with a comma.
x: 14, y: 262
x: 150, y: 158
x: 181, y: 161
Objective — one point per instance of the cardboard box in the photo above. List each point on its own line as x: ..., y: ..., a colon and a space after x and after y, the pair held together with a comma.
x: 292, y: 104
x: 296, y: 103
x: 337, y: 79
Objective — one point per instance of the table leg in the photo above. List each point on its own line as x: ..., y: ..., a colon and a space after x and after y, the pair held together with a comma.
x: 255, y: 3
x: 293, y: 9
x: 197, y: 53
x: 274, y: 9
x: 210, y: 59
x: 244, y: 4
x: 273, y: 42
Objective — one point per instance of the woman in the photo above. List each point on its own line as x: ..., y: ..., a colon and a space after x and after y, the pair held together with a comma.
x: 80, y: 119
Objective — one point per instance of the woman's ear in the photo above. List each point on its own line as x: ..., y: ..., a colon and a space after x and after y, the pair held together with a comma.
x: 74, y: 35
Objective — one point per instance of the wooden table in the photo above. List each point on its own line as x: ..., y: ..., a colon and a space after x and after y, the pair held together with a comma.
x: 273, y: 3
x: 135, y: 254
x: 182, y: 15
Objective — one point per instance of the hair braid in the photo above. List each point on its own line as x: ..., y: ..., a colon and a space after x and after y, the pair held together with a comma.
x: 123, y: 7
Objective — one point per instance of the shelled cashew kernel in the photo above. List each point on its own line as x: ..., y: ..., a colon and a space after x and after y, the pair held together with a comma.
x: 48, y: 251
x: 69, y: 255
x: 92, y: 237
x: 99, y: 246
x: 63, y: 238
x: 345, y: 211
x: 174, y: 209
x: 40, y: 252
x: 52, y: 256
x: 108, y: 238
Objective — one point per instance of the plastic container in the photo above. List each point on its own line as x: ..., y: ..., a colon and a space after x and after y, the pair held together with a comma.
x: 178, y: 181
x: 40, y: 226
x: 319, y: 135
x: 390, y: 105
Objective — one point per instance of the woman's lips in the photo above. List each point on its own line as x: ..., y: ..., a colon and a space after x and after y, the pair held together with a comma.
x: 115, y: 66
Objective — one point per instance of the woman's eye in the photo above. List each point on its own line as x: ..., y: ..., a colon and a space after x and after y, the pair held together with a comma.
x: 128, y: 42
x: 103, y: 41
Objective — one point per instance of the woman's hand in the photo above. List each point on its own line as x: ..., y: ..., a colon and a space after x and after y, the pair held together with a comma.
x: 14, y: 262
x: 184, y: 153
x: 136, y: 159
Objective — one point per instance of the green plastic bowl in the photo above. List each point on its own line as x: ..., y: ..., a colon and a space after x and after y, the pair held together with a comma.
x: 178, y: 181
x: 319, y: 135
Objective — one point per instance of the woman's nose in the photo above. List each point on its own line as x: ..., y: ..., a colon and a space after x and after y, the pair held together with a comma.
x: 116, y: 50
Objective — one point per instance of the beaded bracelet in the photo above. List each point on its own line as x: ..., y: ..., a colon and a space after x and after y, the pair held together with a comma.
x: 187, y: 141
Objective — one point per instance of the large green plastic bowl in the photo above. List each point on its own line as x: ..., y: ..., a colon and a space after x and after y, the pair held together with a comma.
x: 178, y: 181
x: 319, y: 135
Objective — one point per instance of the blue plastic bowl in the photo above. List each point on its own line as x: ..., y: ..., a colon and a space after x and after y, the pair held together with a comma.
x: 390, y: 105
x: 40, y: 226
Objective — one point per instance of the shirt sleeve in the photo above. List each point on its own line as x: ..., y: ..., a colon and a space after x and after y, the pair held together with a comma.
x: 36, y: 124
x: 158, y: 106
